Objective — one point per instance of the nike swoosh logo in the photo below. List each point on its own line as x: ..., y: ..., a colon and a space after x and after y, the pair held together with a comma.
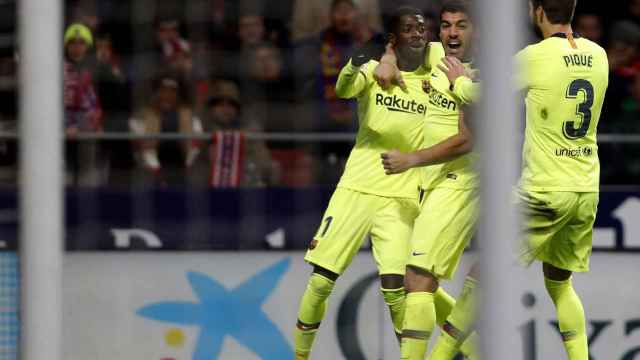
x: 417, y: 254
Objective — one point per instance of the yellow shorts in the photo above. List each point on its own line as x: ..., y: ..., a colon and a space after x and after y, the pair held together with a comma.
x: 350, y: 217
x: 443, y: 230
x: 558, y: 228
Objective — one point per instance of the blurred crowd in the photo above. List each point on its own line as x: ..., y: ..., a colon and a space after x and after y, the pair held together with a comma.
x: 218, y: 72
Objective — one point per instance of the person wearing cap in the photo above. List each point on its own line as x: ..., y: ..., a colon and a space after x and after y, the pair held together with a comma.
x: 223, y: 107
x: 82, y: 107
x: 223, y: 113
x: 167, y: 112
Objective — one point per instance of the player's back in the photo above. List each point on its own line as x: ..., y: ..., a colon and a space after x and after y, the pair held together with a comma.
x: 566, y: 82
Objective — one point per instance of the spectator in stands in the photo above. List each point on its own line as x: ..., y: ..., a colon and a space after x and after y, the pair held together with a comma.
x: 175, y: 50
x: 110, y: 82
x: 317, y: 62
x: 251, y: 33
x: 82, y: 109
x: 167, y: 112
x: 267, y: 88
x: 623, y: 159
x: 86, y: 14
x: 224, y: 14
x: 589, y: 25
x: 623, y: 62
x: 115, y: 99
x: 252, y: 163
x: 251, y: 30
x: 313, y: 16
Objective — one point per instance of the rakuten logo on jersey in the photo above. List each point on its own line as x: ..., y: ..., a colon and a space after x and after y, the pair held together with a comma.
x: 441, y: 100
x: 395, y: 103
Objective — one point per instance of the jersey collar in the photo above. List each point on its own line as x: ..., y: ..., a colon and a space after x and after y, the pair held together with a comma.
x: 564, y: 36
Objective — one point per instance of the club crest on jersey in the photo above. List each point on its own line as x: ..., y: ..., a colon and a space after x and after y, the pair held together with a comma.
x: 426, y: 86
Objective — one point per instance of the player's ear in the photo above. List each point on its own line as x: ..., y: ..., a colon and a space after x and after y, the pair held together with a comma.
x: 392, y: 39
x: 540, y: 15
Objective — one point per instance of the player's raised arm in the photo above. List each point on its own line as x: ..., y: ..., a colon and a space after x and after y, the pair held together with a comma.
x: 353, y: 77
x: 351, y: 81
x: 395, y: 161
x: 462, y: 83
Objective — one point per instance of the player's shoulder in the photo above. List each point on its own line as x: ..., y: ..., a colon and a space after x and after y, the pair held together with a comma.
x: 583, y: 42
x: 435, y: 46
x: 529, y: 50
x: 435, y: 52
x: 369, y: 66
x: 598, y: 52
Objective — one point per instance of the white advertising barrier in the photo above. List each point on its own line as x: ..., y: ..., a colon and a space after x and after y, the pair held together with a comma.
x: 197, y: 306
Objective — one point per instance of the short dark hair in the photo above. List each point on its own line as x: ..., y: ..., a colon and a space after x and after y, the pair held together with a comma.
x: 396, y: 17
x: 335, y: 3
x: 456, y: 6
x: 558, y: 11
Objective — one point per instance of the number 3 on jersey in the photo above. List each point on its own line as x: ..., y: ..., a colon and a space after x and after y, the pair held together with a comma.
x: 583, y: 110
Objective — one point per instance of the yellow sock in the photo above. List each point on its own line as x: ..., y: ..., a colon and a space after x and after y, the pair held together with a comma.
x: 312, y: 308
x: 444, y: 304
x: 470, y: 348
x: 394, y: 298
x: 570, y: 317
x: 457, y: 327
x: 419, y: 321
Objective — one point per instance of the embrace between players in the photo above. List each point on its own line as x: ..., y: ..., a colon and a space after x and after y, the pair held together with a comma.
x: 420, y: 205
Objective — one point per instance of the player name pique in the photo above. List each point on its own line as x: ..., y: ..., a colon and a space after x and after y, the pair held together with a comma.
x: 578, y: 60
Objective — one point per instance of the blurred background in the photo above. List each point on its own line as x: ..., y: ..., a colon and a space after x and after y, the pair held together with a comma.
x: 205, y: 136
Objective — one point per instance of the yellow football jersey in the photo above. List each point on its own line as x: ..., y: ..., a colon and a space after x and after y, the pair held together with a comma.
x: 442, y: 122
x: 565, y: 86
x: 391, y: 119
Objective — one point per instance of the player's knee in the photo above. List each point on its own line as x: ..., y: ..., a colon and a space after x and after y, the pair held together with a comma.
x: 325, y: 273
x: 420, y: 280
x: 556, y: 274
x: 392, y: 287
x: 320, y: 286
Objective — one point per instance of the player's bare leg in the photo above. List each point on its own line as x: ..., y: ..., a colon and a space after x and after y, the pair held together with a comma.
x: 569, y: 309
x: 420, y: 313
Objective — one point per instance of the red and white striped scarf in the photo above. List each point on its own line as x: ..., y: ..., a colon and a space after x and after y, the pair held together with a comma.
x: 226, y: 152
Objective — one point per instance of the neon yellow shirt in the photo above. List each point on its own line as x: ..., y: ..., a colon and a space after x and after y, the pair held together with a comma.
x: 442, y: 122
x: 565, y: 89
x: 388, y: 120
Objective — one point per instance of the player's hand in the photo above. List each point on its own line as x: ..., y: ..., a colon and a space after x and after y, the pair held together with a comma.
x: 453, y: 68
x: 396, y: 162
x: 387, y: 75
